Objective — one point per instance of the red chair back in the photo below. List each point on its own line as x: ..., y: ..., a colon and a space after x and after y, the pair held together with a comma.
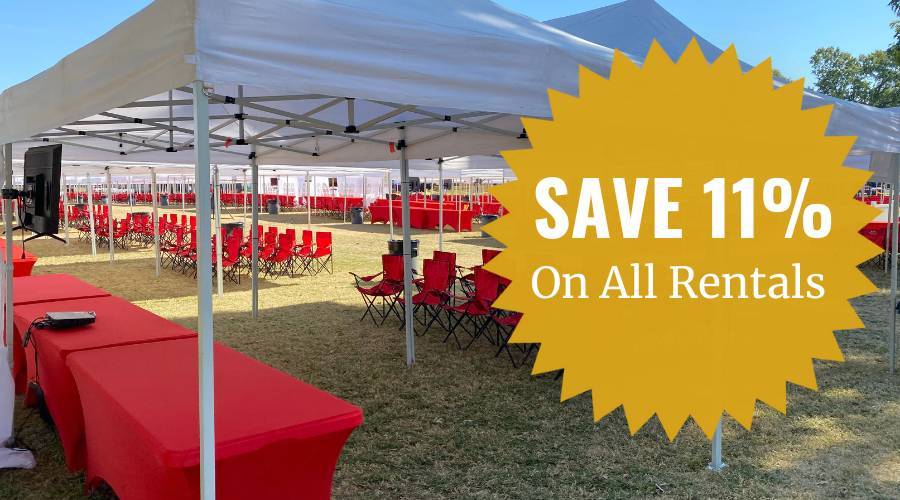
x: 448, y: 257
x: 487, y: 285
x: 488, y: 254
x: 323, y: 240
x: 233, y: 243
x: 437, y: 274
x: 307, y: 237
x: 285, y: 243
x: 392, y: 265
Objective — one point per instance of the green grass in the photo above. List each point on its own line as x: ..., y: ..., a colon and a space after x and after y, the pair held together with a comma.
x: 467, y: 425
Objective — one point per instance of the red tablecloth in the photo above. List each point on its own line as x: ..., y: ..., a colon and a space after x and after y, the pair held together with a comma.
x: 22, y: 265
x: 876, y: 232
x: 276, y: 437
x: 52, y: 287
x: 424, y: 218
x: 37, y: 289
x: 119, y: 322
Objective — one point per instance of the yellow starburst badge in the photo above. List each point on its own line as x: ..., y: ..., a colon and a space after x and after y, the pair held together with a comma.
x: 682, y: 240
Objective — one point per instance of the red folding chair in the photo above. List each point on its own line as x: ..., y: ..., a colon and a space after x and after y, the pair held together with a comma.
x: 388, y: 289
x: 473, y: 314
x: 505, y: 323
x: 231, y: 256
x: 281, y: 262
x: 303, y: 251
x: 321, y: 258
x: 434, y: 293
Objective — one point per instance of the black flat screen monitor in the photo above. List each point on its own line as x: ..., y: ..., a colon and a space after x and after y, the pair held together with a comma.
x: 40, y: 189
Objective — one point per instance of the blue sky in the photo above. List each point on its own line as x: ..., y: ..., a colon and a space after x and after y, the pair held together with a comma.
x: 787, y: 30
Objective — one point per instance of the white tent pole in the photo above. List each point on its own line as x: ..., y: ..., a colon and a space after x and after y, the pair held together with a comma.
x: 217, y: 192
x: 129, y: 190
x: 716, y: 464
x: 110, y: 220
x: 407, y: 254
x: 391, y: 205
x: 8, y: 267
x: 346, y: 192
x: 154, y: 192
x: 364, y: 197
x: 440, y: 163
x: 90, y: 197
x: 65, y: 191
x: 183, y: 192
x: 244, y: 200
x: 254, y: 232
x: 459, y: 208
x: 891, y: 216
x: 309, y: 187
x: 895, y: 177
x: 204, y: 296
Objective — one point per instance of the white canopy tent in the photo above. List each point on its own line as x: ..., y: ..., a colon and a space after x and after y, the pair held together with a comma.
x: 297, y: 82
x: 632, y: 25
x: 293, y: 82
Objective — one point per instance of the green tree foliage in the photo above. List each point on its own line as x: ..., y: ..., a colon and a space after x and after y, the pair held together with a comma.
x: 872, y: 79
x: 781, y: 76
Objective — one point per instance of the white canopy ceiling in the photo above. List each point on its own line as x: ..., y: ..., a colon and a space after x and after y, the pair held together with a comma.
x: 312, y: 81
x: 632, y: 25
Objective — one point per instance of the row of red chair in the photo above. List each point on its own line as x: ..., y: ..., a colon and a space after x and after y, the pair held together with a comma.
x: 279, y: 254
x: 460, y: 300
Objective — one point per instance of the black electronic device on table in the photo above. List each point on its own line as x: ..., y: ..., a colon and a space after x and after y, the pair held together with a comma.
x: 69, y: 319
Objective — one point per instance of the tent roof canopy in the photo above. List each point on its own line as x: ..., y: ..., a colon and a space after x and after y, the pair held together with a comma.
x: 307, y: 81
x: 632, y: 25
x: 331, y: 81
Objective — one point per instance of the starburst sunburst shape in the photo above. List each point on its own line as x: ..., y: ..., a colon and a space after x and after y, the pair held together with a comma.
x: 683, y: 357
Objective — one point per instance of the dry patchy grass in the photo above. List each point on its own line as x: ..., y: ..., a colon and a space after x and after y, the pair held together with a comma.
x: 467, y: 425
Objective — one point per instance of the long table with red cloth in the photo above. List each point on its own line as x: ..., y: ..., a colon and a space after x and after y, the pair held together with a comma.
x: 37, y: 289
x: 423, y: 218
x: 276, y: 437
x: 22, y: 264
x: 334, y: 203
x: 876, y: 232
x: 118, y: 323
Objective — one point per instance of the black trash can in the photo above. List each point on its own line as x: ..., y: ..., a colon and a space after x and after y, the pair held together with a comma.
x: 356, y: 215
x: 487, y: 219
x: 395, y: 247
x: 231, y: 226
x: 272, y: 206
x: 164, y: 200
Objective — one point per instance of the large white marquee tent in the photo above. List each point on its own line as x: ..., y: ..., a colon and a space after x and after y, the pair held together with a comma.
x: 304, y: 82
x: 294, y: 82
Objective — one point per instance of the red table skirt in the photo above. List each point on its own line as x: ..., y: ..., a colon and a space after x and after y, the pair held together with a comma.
x: 876, y: 232
x: 276, y: 437
x: 424, y: 218
x: 118, y: 323
x: 22, y: 265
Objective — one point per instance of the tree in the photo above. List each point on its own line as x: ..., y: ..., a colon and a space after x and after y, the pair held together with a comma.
x: 781, y: 76
x: 872, y: 79
x: 895, y: 49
